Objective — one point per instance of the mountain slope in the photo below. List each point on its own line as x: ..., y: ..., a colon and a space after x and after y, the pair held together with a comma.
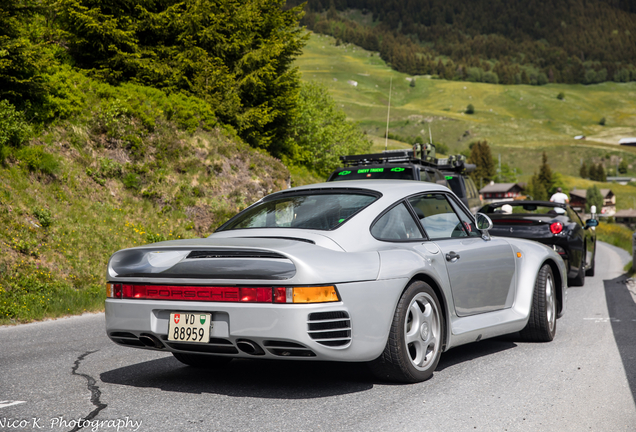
x: 568, y: 41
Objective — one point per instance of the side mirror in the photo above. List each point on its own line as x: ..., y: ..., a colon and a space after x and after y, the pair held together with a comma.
x: 483, y: 222
x: 591, y: 223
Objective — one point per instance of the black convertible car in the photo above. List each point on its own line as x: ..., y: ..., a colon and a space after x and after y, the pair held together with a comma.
x: 552, y: 224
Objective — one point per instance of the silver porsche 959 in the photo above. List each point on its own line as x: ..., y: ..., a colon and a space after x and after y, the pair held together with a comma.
x: 392, y: 273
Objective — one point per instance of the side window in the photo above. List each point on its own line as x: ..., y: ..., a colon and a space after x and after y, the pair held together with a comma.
x: 471, y: 189
x: 396, y: 224
x: 437, y: 216
x: 467, y: 221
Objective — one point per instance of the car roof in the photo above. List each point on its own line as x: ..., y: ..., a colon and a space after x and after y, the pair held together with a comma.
x: 385, y: 187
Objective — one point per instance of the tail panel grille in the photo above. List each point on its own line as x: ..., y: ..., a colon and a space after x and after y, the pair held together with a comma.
x: 332, y: 329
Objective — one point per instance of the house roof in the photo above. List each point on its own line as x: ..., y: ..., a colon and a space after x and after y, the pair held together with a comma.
x: 500, y: 187
x: 625, y: 213
x: 582, y: 193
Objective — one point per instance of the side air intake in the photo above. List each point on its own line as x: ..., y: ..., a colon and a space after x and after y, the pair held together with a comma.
x: 331, y: 329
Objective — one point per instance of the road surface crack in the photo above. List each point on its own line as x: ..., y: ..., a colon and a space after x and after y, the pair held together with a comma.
x: 94, y: 389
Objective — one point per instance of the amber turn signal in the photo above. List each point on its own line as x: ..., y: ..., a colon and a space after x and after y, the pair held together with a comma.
x: 319, y: 294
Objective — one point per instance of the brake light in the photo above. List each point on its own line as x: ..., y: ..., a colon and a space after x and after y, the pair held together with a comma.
x: 556, y: 227
x: 113, y: 290
x: 320, y: 294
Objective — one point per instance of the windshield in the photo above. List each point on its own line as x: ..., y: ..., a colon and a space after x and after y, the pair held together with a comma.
x: 320, y: 211
x: 522, y: 208
x: 381, y: 173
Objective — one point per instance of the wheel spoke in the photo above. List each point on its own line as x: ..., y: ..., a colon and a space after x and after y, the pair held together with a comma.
x: 550, y: 302
x: 422, y: 331
x: 414, y: 323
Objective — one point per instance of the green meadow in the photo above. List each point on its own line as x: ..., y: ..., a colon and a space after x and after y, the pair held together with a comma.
x: 518, y: 121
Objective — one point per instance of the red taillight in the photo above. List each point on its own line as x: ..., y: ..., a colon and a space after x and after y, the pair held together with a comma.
x: 283, y: 295
x: 255, y: 295
x: 556, y: 227
x: 203, y: 293
x: 313, y: 294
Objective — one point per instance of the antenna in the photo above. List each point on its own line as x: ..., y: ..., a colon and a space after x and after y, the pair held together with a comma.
x: 386, y: 136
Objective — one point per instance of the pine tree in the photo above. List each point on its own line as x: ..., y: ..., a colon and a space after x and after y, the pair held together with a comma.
x: 536, y: 189
x: 583, y: 171
x: 600, y: 173
x: 545, y: 173
x: 481, y: 156
x: 593, y: 197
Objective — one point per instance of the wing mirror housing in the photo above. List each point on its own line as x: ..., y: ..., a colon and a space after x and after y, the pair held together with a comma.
x: 591, y: 223
x: 483, y: 224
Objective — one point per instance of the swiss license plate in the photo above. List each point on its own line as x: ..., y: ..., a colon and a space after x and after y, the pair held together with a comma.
x: 189, y: 327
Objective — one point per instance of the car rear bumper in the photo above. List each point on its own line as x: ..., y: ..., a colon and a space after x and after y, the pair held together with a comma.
x: 354, y: 329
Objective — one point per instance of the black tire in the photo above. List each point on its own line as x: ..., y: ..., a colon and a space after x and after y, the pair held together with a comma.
x: 579, y: 280
x: 202, y: 360
x: 416, y: 337
x: 590, y: 271
x: 541, y: 325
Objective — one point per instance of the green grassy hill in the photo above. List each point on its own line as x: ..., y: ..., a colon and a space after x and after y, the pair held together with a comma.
x: 118, y: 175
x: 518, y: 121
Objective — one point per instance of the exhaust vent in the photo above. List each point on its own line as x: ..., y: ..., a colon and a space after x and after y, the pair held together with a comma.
x: 287, y: 349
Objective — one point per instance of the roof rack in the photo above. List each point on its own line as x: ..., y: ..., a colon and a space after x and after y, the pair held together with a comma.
x: 425, y: 151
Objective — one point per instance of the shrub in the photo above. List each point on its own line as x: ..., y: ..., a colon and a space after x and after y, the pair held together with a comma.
x: 561, y: 96
x: 470, y: 109
x: 36, y: 159
x: 602, y: 121
x: 14, y: 130
x: 44, y: 217
x: 132, y: 181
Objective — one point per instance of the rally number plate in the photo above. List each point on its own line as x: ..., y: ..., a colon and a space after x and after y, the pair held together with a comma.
x: 189, y: 327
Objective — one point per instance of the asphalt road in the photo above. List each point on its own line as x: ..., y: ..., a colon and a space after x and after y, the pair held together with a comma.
x: 54, y: 373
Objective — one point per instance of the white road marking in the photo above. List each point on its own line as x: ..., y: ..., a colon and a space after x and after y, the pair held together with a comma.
x: 602, y: 320
x: 8, y: 403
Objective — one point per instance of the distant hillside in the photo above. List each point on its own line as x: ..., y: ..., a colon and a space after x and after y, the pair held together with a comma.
x: 518, y: 121
x: 504, y: 41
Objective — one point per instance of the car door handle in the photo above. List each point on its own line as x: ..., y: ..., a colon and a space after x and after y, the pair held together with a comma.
x: 452, y: 256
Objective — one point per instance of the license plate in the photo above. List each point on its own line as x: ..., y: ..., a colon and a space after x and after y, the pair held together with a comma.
x: 189, y: 327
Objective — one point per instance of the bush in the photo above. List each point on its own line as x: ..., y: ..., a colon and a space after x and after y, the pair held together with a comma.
x: 561, y: 96
x: 14, y: 130
x: 44, y: 217
x: 470, y: 109
x: 602, y: 121
x: 36, y: 159
x: 132, y: 181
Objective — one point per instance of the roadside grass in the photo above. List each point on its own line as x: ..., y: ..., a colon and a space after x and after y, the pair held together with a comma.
x: 614, y: 234
x: 119, y: 175
x: 519, y: 121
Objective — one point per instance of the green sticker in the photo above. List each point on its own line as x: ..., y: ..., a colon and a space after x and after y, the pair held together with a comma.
x: 449, y: 177
x: 377, y: 169
x: 341, y: 221
x: 363, y: 171
x: 397, y: 169
x: 344, y: 173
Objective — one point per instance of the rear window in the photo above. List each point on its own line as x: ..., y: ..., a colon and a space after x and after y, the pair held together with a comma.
x: 319, y: 211
x: 455, y: 184
x: 376, y: 173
